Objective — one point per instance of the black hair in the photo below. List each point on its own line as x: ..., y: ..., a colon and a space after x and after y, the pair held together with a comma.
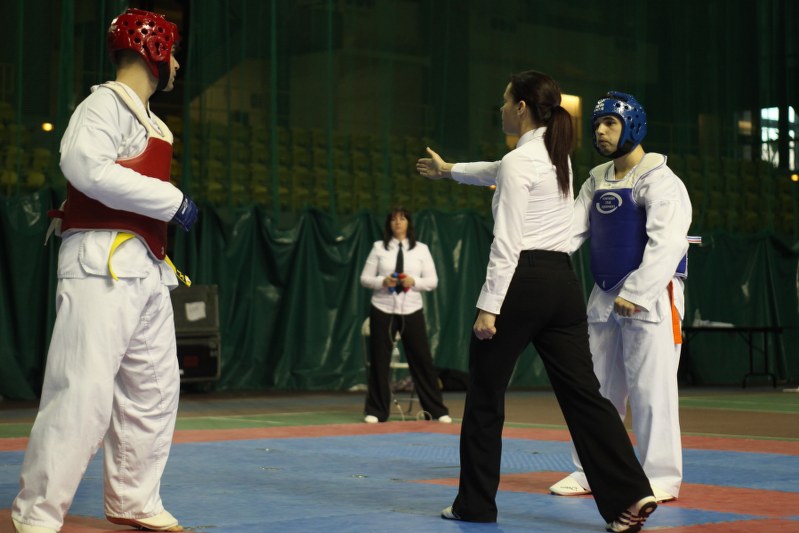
x: 388, y: 234
x: 542, y: 96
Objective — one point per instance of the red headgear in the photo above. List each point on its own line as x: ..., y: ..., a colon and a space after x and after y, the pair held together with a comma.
x: 149, y: 35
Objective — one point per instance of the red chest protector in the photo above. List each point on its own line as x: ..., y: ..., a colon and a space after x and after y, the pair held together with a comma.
x: 83, y: 213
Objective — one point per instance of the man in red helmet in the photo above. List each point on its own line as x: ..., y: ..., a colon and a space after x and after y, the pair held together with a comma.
x: 112, y: 376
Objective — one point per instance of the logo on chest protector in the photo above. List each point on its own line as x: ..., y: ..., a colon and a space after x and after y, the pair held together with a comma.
x: 608, y: 203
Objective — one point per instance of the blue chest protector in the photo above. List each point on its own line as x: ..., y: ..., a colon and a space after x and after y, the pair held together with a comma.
x: 618, y: 238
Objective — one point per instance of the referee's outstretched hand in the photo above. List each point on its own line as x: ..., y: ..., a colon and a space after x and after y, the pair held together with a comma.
x: 433, y: 167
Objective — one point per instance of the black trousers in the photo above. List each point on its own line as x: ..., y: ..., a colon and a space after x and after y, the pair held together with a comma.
x: 544, y: 305
x: 383, y: 328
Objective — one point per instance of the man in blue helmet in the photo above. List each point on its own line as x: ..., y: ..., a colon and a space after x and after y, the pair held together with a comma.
x: 636, y: 212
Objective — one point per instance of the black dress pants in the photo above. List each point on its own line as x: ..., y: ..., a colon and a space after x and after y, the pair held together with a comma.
x: 544, y: 305
x: 383, y: 327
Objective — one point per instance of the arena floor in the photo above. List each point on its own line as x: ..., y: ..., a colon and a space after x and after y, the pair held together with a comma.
x: 305, y: 462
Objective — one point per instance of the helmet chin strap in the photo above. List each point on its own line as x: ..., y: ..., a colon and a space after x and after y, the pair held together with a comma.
x: 624, y: 150
x: 163, y: 76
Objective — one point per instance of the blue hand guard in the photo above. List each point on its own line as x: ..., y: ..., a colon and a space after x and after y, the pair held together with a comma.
x: 187, y: 214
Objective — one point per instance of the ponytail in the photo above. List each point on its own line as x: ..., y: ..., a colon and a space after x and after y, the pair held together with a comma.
x: 558, y: 141
x: 542, y: 95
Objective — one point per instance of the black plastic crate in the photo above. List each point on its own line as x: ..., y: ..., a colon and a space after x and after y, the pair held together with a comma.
x: 199, y: 358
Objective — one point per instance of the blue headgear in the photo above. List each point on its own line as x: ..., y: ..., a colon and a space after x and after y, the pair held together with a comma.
x: 633, y: 120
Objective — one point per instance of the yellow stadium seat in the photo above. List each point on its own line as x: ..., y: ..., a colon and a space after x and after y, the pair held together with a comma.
x: 6, y: 112
x: 35, y: 179
x: 750, y: 221
x: 317, y: 139
x: 300, y: 187
x: 8, y: 179
x: 676, y: 163
x: 17, y: 135
x: 238, y: 131
x: 240, y: 151
x: 360, y: 162
x: 713, y: 219
x: 175, y: 124
x: 13, y: 157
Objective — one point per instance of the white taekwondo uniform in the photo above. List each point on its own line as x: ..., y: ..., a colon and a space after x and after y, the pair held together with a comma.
x: 112, y: 374
x: 637, y: 357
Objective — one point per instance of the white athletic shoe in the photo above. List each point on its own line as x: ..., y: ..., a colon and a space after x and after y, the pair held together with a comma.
x: 632, y: 520
x: 449, y: 514
x: 661, y: 495
x: 19, y: 527
x: 160, y: 522
x: 370, y: 419
x: 446, y: 419
x: 568, y: 486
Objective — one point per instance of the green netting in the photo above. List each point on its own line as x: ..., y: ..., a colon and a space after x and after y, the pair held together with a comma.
x: 282, y: 106
x: 328, y: 103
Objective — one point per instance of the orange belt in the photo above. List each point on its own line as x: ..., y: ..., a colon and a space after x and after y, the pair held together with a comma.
x: 675, y: 317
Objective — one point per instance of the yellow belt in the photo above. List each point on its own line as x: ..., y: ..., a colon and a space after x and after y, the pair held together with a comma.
x: 122, y: 237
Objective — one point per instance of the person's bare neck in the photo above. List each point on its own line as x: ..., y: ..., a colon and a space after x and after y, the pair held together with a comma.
x: 527, y: 124
x: 627, y: 162
x: 138, y: 78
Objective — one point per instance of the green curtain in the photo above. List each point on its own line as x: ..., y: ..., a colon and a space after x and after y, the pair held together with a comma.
x: 27, y: 297
x: 291, y: 304
x: 297, y: 123
x: 291, y: 300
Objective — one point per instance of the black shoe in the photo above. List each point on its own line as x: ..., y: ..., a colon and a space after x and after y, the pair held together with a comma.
x: 632, y: 519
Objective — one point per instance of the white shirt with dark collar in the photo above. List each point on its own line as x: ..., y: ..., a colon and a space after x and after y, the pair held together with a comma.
x: 381, y: 263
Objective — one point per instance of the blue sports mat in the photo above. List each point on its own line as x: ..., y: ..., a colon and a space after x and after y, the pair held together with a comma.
x: 366, y: 483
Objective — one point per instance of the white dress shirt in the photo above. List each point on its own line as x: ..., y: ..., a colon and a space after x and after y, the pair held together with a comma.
x: 418, y: 263
x: 530, y: 213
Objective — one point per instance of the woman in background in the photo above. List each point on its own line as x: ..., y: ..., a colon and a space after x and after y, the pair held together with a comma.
x: 398, y: 270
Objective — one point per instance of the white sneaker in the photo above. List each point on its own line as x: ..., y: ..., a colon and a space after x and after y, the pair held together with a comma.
x: 568, y: 486
x: 446, y: 419
x: 632, y: 520
x: 370, y: 419
x: 163, y: 521
x: 19, y: 527
x: 449, y: 514
x: 661, y: 495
